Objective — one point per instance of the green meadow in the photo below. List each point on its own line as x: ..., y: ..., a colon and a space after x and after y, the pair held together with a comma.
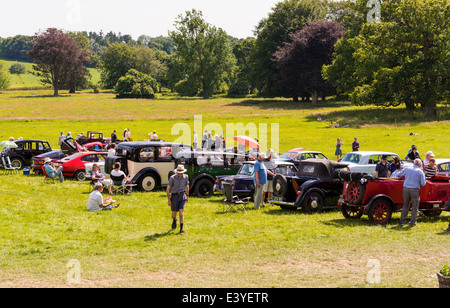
x: 45, y: 226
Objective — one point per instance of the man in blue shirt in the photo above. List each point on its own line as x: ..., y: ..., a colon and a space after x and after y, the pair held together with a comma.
x: 414, y: 179
x: 260, y: 178
x: 51, y: 172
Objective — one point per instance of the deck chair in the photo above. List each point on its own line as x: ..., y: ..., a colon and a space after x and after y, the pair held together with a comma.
x: 48, y: 179
x: 119, y: 186
x: 8, y: 167
x: 233, y: 203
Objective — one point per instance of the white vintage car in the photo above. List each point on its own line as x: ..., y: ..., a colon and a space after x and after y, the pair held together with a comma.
x: 366, y: 161
x: 443, y: 166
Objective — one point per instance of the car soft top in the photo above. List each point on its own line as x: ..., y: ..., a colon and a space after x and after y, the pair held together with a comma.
x: 320, y: 168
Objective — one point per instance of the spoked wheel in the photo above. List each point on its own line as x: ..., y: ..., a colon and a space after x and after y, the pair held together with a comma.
x: 351, y: 212
x: 380, y: 212
x: 355, y: 192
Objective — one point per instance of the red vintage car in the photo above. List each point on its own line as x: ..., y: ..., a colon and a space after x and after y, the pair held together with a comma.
x: 380, y: 198
x: 73, y: 165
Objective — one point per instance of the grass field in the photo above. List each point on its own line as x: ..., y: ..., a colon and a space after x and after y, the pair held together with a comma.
x: 44, y: 226
x: 29, y: 81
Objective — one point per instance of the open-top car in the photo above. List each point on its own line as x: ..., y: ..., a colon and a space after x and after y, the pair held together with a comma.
x: 379, y: 198
x: 243, y: 183
x: 316, y: 185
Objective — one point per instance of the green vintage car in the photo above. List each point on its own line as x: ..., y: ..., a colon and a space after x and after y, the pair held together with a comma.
x: 204, y: 166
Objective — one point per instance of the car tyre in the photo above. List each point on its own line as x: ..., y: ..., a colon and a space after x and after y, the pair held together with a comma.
x: 149, y: 182
x: 280, y: 186
x: 355, y: 192
x: 80, y: 175
x: 204, y: 188
x: 17, y: 162
x: 313, y: 202
x: 351, y: 212
x: 380, y: 212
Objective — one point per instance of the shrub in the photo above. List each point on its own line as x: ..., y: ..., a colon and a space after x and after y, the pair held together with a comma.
x: 186, y: 87
x: 136, y: 85
x: 17, y: 68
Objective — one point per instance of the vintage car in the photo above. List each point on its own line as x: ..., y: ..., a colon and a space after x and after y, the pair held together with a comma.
x: 39, y: 160
x: 92, y: 136
x: 366, y: 161
x: 22, y: 155
x: 243, y: 183
x: 316, y: 185
x: 296, y: 157
x: 204, y: 166
x: 74, y: 165
x: 443, y: 166
x: 379, y: 198
x: 149, y: 163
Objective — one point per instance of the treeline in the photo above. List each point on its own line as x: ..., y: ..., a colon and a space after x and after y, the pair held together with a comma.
x: 373, y: 52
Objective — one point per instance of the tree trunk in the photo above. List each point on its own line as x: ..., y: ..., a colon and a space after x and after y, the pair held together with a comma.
x: 410, y: 106
x: 430, y: 110
x: 295, y: 99
x: 315, y: 97
x: 55, y: 91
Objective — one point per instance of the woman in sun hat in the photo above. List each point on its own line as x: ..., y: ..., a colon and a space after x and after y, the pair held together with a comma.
x: 178, y: 195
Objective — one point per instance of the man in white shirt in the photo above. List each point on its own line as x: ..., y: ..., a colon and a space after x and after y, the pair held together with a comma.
x: 97, y: 203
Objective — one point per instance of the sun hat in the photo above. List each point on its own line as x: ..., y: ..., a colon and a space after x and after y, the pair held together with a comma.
x: 263, y: 155
x: 430, y: 153
x: 47, y: 159
x: 180, y: 169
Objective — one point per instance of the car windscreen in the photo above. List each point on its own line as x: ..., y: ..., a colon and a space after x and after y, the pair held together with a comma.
x: 72, y: 156
x: 351, y: 158
x: 288, y: 155
x: 246, y: 169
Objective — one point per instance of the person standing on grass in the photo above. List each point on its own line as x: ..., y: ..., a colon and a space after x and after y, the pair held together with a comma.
x: 195, y: 141
x: 383, y: 168
x: 338, y: 151
x: 260, y: 179
x: 414, y: 179
x: 355, y: 145
x: 178, y: 195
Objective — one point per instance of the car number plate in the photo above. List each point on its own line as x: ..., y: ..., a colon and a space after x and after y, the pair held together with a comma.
x: 436, y: 206
x: 277, y: 198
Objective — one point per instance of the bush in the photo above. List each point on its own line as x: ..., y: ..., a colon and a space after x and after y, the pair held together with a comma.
x: 4, y: 77
x: 239, y: 88
x: 136, y: 85
x: 186, y: 88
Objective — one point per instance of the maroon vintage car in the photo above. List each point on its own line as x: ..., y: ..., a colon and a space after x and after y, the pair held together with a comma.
x: 379, y: 198
x: 92, y: 136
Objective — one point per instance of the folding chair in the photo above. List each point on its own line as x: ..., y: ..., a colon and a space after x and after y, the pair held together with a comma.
x: 48, y: 179
x: 119, y: 186
x: 233, y: 203
x: 7, y: 165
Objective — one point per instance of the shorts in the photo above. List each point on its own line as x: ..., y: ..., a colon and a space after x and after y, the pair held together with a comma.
x: 268, y: 187
x: 178, y: 202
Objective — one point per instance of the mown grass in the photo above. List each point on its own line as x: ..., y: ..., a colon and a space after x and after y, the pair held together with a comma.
x: 43, y: 226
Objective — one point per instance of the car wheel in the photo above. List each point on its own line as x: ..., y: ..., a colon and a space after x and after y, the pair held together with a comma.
x: 280, y: 186
x: 17, y: 163
x: 355, y: 192
x: 149, y: 182
x: 204, y: 188
x: 352, y: 212
x: 380, y: 212
x: 80, y: 175
x: 313, y: 203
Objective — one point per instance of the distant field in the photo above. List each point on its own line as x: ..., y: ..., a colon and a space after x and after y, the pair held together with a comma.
x: 29, y: 81
x: 44, y: 226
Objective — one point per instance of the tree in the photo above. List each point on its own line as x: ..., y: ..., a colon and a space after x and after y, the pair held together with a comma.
x: 203, y: 53
x: 15, y: 48
x: 243, y: 81
x: 300, y: 62
x: 404, y: 58
x: 4, y: 77
x: 17, y: 68
x: 136, y: 85
x: 286, y: 17
x: 118, y: 59
x: 57, y: 58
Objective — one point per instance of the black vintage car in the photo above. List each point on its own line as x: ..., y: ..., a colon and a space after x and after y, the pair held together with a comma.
x: 26, y: 149
x: 243, y: 182
x: 316, y: 185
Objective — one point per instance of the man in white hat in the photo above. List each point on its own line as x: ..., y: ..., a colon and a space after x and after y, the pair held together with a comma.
x: 51, y: 172
x: 429, y: 156
x: 178, y: 195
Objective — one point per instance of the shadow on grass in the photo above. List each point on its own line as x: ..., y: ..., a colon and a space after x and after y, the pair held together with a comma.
x: 156, y: 236
x: 357, y: 117
x: 288, y: 105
